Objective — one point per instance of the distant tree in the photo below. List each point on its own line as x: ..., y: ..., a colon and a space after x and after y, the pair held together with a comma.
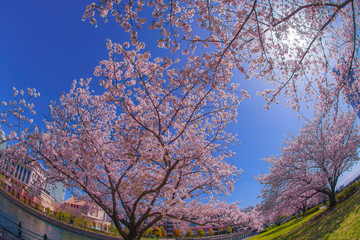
x: 229, y: 229
x: 200, y: 232
x: 148, y: 233
x: 113, y: 229
x: 177, y: 233
x: 60, y: 215
x: 86, y: 223
x: 157, y: 232
x: 211, y: 231
x: 310, y: 164
x: 78, y: 220
x: 47, y: 210
x: 67, y: 217
x: 163, y: 232
x: 189, y: 233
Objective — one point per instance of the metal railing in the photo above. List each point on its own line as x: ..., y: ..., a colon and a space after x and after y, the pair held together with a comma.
x: 234, y: 236
x: 243, y: 236
x: 13, y: 229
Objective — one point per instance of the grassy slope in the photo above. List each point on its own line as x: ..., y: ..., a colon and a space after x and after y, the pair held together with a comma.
x: 343, y: 222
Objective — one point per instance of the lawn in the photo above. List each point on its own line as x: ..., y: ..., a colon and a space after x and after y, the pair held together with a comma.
x: 343, y: 222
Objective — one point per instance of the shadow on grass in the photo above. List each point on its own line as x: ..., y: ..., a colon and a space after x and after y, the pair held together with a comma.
x: 322, y: 225
x: 284, y: 229
x: 276, y: 230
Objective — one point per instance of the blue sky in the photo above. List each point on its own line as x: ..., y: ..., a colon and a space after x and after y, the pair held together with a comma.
x: 45, y: 45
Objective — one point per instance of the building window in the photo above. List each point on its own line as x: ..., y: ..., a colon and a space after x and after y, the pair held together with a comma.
x: 28, y: 177
x: 17, y: 170
x: 24, y: 175
x: 21, y: 170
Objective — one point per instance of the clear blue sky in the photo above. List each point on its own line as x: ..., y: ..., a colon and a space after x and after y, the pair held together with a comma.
x: 45, y: 45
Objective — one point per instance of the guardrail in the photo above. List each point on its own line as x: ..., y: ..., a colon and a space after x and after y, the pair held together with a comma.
x: 243, y: 236
x: 13, y: 229
x: 233, y: 236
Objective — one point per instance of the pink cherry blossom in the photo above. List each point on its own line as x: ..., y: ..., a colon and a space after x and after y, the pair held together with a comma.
x: 150, y: 148
x: 306, y: 49
x: 310, y: 165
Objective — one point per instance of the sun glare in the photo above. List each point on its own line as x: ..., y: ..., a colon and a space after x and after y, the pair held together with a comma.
x: 286, y: 44
x: 294, y: 39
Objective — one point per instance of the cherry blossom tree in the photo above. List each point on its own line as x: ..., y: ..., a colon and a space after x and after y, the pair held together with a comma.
x: 307, y: 48
x: 151, y: 147
x: 310, y: 164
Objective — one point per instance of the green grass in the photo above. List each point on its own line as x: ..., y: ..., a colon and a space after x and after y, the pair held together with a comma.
x: 343, y: 222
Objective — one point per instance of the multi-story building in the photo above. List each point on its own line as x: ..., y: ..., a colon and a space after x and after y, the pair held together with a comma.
x: 26, y: 181
x: 56, y: 191
x: 92, y: 212
x: 2, y: 140
x: 21, y: 178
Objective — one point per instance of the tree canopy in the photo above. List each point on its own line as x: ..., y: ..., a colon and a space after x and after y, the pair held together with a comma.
x: 310, y: 165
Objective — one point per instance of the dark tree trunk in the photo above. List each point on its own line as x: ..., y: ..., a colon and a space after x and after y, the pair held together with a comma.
x: 303, y: 208
x: 133, y: 236
x: 133, y: 230
x: 332, y: 198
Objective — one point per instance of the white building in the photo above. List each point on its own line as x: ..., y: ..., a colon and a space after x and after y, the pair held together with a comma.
x: 56, y: 190
x: 2, y: 140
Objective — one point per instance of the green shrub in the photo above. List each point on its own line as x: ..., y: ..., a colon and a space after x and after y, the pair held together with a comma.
x: 280, y: 219
x: 147, y: 233
x: 47, y: 210
x: 200, y: 232
x: 113, y: 229
x: 177, y: 233
x: 269, y: 228
x: 157, y: 232
x: 67, y: 217
x: 312, y: 210
x: 58, y: 215
x: 163, y: 232
x: 348, y: 192
x: 189, y: 233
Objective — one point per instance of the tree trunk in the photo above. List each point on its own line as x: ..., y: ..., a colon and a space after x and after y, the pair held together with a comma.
x: 332, y: 198
x: 303, y: 208
x: 133, y: 236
